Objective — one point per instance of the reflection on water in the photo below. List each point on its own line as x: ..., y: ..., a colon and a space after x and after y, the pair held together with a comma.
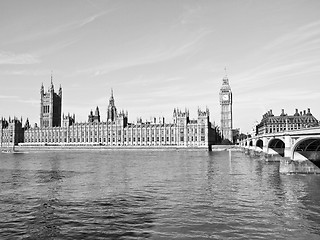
x: 155, y: 195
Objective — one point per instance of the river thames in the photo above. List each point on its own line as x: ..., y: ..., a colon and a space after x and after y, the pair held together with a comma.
x: 154, y: 195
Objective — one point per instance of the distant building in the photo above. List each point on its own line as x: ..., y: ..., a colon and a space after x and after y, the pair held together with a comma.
x: 285, y: 122
x: 226, y: 110
x: 115, y: 131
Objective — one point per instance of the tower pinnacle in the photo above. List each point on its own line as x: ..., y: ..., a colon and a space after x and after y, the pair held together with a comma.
x: 112, y: 110
x: 51, y: 86
x: 51, y: 77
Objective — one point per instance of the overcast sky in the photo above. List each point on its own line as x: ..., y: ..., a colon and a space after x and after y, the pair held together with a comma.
x: 161, y: 54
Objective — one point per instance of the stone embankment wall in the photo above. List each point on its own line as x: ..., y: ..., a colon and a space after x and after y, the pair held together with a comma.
x: 288, y: 166
x: 23, y: 148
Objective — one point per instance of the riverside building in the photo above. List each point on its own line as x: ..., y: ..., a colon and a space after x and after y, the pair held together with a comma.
x: 115, y: 131
x: 284, y: 122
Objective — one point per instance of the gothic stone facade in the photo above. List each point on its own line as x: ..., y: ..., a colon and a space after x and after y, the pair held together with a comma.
x: 117, y: 131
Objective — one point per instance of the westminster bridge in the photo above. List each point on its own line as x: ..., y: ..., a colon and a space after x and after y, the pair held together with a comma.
x: 297, y: 150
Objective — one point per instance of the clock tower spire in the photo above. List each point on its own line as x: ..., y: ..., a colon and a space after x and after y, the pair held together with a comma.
x: 226, y: 109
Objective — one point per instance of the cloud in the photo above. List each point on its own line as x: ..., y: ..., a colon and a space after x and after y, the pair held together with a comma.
x: 19, y: 99
x: 284, y: 62
x: 22, y: 58
x: 25, y: 72
x: 61, y: 28
x: 301, y: 36
x: 158, y: 55
x: 33, y: 102
x: 47, y: 50
x: 8, y: 97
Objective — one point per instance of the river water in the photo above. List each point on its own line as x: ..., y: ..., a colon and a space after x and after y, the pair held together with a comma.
x: 154, y: 195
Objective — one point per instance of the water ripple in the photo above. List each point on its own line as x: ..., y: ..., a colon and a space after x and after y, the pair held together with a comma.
x: 157, y: 195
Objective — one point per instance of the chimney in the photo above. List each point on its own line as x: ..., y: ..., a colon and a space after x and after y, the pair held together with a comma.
x: 270, y: 111
x: 300, y: 113
x: 304, y: 112
x: 309, y: 113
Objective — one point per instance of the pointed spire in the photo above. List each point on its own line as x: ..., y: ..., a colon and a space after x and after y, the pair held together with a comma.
x: 225, y: 80
x: 27, y: 124
x: 51, y: 87
x: 42, y: 88
x: 111, y: 101
x: 60, y: 91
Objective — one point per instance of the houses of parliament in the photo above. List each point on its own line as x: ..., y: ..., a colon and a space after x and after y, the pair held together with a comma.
x: 57, y: 129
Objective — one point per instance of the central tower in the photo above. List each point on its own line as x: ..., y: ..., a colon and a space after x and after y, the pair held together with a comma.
x: 50, y: 107
x: 112, y: 110
x: 226, y: 109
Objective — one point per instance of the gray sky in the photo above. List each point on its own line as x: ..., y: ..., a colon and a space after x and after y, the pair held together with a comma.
x: 161, y: 54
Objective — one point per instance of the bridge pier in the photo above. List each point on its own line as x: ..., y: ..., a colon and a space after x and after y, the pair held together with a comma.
x: 289, y: 166
x: 288, y: 147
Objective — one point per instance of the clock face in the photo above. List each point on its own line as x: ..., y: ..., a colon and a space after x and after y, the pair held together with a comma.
x: 225, y: 97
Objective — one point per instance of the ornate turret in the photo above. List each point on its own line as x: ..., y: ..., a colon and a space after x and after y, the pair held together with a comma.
x: 51, y: 84
x: 181, y: 117
x: 27, y: 125
x: 97, y: 111
x: 112, y: 110
x: 94, y: 118
x: 60, y: 91
x: 42, y: 89
x: 68, y: 120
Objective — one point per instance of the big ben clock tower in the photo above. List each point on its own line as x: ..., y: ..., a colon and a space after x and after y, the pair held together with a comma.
x: 226, y: 109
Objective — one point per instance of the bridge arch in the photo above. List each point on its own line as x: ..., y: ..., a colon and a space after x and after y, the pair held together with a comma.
x: 250, y: 143
x: 309, y: 147
x: 277, y: 145
x: 259, y: 143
